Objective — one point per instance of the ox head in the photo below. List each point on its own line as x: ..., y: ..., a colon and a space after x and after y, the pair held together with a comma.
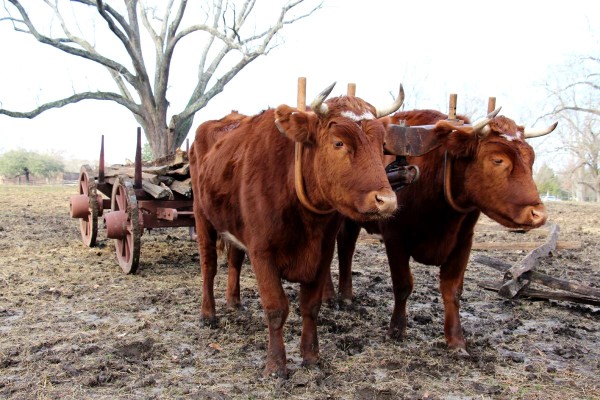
x: 498, y: 169
x: 343, y: 140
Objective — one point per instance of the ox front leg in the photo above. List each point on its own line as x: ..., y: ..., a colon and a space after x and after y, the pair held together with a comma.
x: 276, y: 308
x: 235, y: 259
x: 402, y: 286
x: 451, y: 284
x: 310, y: 304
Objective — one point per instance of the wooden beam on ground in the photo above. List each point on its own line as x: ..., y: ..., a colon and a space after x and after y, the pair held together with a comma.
x: 543, y: 294
x: 512, y: 278
x: 560, y: 245
x: 541, y: 278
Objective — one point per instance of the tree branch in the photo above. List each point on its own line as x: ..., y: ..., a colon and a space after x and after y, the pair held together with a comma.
x: 60, y: 44
x: 134, y: 108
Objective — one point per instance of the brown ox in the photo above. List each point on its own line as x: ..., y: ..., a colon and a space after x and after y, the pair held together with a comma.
x: 244, y: 191
x: 488, y: 171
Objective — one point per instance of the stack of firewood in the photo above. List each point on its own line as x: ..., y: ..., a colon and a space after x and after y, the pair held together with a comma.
x: 160, y: 178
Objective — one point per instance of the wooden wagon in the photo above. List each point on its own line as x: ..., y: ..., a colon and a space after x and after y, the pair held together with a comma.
x: 138, y: 197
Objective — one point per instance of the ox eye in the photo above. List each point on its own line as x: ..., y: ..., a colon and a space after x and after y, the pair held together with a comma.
x: 338, y: 144
x: 498, y: 161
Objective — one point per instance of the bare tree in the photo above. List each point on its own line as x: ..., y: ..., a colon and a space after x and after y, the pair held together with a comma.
x: 576, y: 105
x: 226, y: 42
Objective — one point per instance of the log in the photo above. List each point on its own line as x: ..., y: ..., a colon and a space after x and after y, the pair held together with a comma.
x: 165, y: 187
x: 560, y: 245
x: 182, y: 187
x: 113, y: 172
x: 541, y: 278
x: 543, y: 294
x: 176, y: 159
x: 160, y: 170
x: 183, y: 171
x: 512, y: 278
x: 167, y: 180
x: 155, y: 191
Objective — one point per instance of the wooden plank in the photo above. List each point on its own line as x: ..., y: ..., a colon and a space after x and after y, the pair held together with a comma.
x: 541, y: 278
x: 512, y: 282
x: 543, y: 294
x: 560, y: 245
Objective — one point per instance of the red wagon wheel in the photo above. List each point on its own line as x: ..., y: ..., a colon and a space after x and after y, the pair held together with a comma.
x: 124, y: 224
x: 86, y: 207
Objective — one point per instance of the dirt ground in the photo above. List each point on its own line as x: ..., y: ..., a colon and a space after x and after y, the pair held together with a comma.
x: 73, y: 326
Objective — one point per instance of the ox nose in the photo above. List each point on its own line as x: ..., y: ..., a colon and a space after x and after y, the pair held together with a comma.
x: 386, y: 202
x: 538, y: 215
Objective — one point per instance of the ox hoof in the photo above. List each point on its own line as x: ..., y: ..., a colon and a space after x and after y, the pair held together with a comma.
x: 459, y: 352
x: 346, y: 304
x: 397, y: 334
x: 235, y: 307
x: 278, y: 373
x: 312, y: 364
x: 211, y: 322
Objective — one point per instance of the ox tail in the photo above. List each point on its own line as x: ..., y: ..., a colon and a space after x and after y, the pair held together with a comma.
x: 223, y: 245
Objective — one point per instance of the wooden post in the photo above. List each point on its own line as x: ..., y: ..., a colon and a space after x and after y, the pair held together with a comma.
x: 137, y: 178
x: 452, y: 107
x: 491, y: 104
x: 101, y: 162
x: 301, y: 102
x: 352, y: 89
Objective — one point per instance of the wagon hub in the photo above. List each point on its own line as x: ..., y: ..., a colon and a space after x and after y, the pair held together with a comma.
x: 79, y: 205
x: 116, y: 224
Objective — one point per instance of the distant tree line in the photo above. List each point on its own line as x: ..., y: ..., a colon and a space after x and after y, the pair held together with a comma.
x: 28, y: 164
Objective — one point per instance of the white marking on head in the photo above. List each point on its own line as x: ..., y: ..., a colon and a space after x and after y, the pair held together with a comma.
x: 355, y: 117
x: 511, y: 138
x: 235, y: 241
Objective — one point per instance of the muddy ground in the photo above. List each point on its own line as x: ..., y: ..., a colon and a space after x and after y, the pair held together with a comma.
x: 72, y: 326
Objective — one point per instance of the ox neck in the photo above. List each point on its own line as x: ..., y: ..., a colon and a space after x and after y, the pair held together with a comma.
x: 299, y: 183
x: 448, y: 187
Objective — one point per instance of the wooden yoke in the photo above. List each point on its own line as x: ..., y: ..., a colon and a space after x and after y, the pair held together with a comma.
x: 491, y: 104
x: 351, y: 89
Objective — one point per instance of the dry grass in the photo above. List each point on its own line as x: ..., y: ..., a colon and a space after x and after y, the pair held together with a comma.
x: 72, y: 326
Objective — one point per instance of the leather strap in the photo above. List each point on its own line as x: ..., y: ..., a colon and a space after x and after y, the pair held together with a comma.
x: 299, y: 183
x: 448, y: 187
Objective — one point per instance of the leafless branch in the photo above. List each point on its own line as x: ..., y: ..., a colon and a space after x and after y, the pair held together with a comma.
x: 74, y: 99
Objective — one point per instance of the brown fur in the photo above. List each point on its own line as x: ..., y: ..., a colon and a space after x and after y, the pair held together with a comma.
x: 243, y: 183
x: 491, y: 175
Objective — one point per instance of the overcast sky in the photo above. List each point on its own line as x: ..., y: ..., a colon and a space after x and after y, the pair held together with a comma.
x: 476, y: 49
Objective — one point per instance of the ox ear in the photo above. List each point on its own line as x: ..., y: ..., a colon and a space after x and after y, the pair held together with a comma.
x: 297, y: 125
x: 461, y: 140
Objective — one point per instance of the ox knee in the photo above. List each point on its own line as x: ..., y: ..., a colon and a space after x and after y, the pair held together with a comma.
x: 276, y: 318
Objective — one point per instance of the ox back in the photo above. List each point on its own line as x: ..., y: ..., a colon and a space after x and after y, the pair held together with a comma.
x: 488, y: 173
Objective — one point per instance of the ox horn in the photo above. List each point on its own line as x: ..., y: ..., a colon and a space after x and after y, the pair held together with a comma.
x: 317, y: 105
x: 382, y: 112
x: 480, y: 126
x: 531, y: 133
